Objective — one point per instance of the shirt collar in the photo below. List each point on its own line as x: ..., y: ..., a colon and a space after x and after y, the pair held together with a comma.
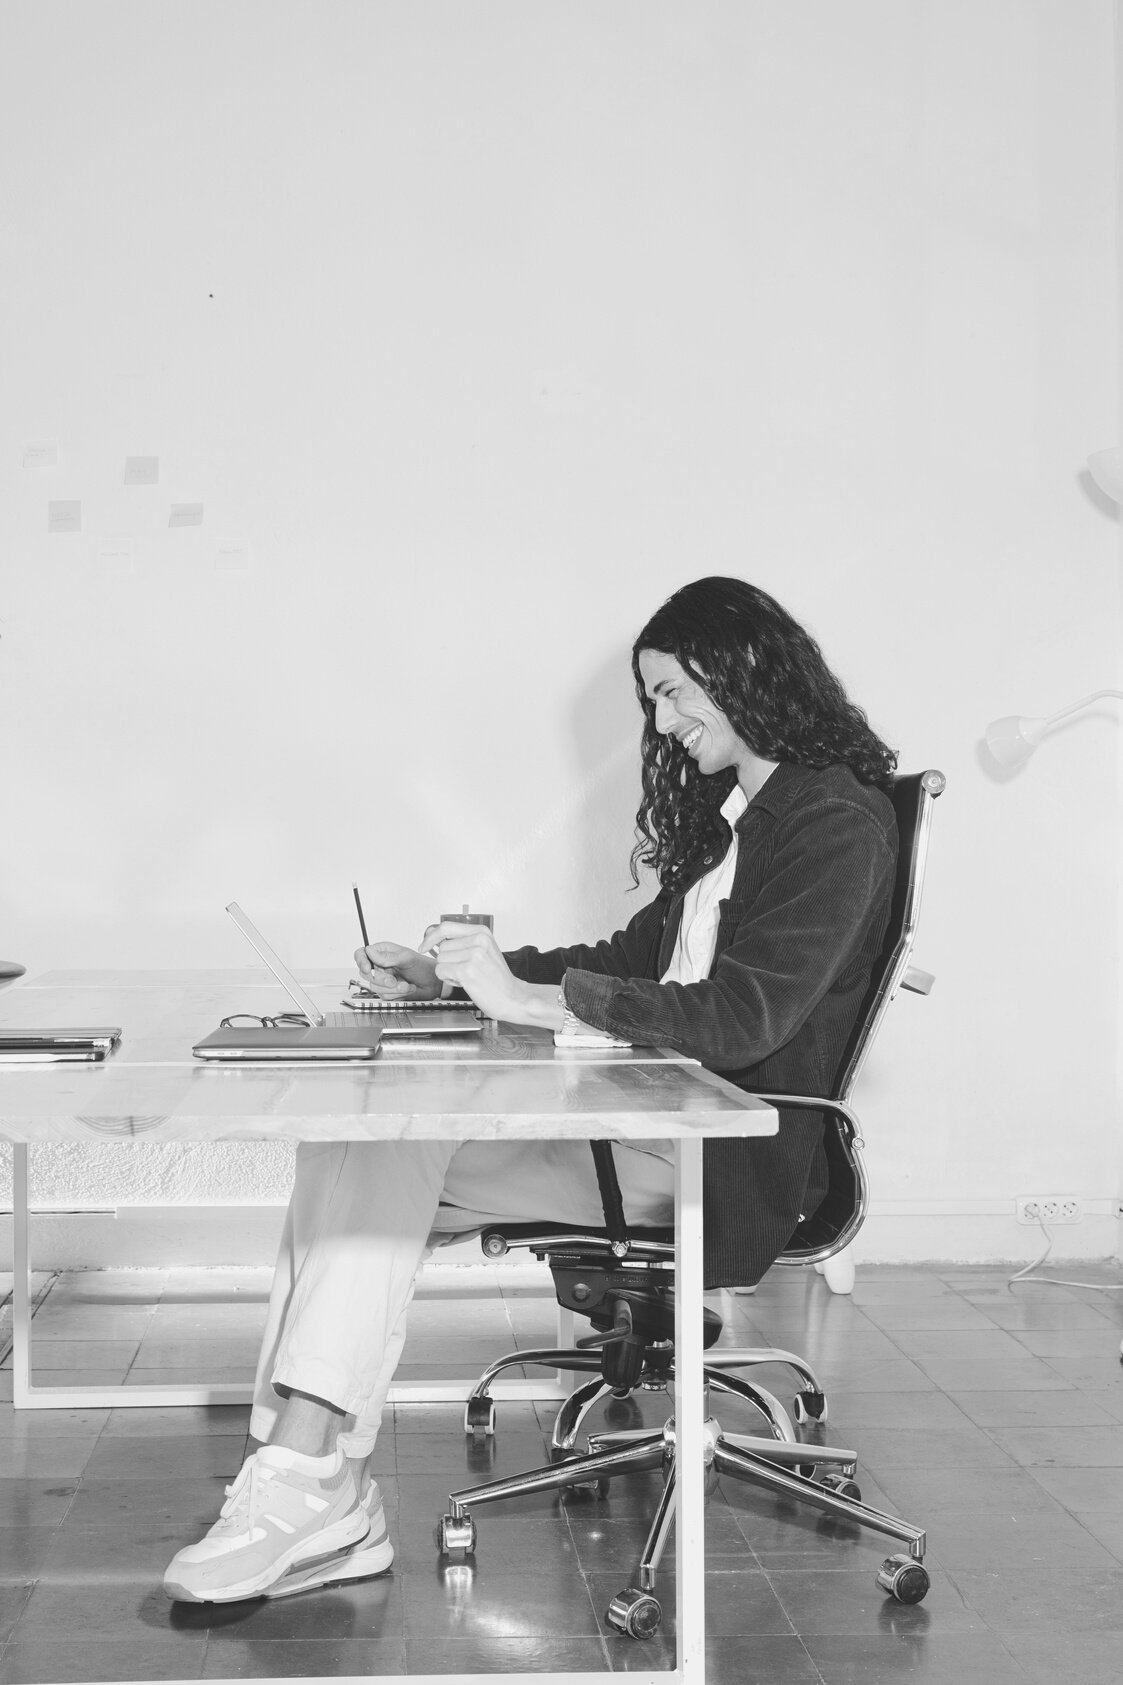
x: 734, y: 806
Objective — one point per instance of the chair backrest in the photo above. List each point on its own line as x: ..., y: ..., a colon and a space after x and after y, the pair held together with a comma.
x: 912, y: 796
x: 842, y: 1209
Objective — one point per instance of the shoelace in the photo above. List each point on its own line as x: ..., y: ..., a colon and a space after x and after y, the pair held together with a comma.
x: 237, y: 1494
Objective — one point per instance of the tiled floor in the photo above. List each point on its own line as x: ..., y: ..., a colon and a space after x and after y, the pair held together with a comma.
x: 991, y: 1414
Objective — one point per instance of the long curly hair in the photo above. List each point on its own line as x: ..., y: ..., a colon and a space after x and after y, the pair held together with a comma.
x: 769, y: 678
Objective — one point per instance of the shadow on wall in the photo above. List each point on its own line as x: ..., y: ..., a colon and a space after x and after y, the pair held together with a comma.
x: 591, y: 814
x: 607, y: 728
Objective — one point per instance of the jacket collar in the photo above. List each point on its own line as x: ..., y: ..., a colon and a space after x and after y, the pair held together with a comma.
x: 783, y: 786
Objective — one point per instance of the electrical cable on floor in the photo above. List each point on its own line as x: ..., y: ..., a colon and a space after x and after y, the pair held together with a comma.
x: 1059, y: 1281
x: 1056, y: 1280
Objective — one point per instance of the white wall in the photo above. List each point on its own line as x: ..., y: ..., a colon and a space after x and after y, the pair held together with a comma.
x: 485, y: 325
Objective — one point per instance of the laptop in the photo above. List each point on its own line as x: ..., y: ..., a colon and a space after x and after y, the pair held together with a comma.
x: 58, y: 1046
x: 329, y: 1035
x: 289, y: 1041
x: 318, y: 1039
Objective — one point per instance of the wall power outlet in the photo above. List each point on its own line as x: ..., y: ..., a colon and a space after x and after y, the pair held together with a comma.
x: 1051, y: 1208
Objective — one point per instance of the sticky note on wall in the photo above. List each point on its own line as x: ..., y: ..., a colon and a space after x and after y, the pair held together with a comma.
x: 186, y: 515
x: 142, y: 470
x: 114, y: 552
x: 64, y: 515
x: 232, y: 555
x: 40, y: 456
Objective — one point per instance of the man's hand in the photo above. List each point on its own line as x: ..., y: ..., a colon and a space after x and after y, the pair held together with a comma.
x: 469, y: 956
x: 396, y: 973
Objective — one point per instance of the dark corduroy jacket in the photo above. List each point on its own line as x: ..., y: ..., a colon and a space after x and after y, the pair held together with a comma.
x: 795, y: 945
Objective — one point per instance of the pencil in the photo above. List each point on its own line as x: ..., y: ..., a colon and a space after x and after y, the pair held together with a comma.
x: 362, y: 920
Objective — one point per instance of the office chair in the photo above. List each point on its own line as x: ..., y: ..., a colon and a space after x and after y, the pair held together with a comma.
x: 622, y: 1279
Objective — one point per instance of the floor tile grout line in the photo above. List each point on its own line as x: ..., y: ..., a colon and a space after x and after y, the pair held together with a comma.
x: 36, y: 1300
x: 990, y: 1431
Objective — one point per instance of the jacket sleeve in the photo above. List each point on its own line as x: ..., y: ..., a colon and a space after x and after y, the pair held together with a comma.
x: 631, y: 952
x: 825, y: 885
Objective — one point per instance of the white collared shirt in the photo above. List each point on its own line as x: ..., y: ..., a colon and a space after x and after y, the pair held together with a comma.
x: 694, y: 947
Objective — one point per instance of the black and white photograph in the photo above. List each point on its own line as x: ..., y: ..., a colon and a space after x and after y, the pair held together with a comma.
x: 561, y: 833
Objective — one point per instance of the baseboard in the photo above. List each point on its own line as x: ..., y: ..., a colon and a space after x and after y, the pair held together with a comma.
x: 918, y: 1235
x: 173, y: 1236
x: 168, y: 1237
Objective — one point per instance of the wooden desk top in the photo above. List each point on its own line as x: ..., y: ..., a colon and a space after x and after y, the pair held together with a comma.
x: 511, y: 1083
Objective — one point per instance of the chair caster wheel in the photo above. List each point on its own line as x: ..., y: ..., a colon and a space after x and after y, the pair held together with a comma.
x: 456, y: 1533
x: 845, y: 1487
x: 904, y: 1579
x: 810, y: 1407
x: 479, y: 1417
x: 634, y: 1613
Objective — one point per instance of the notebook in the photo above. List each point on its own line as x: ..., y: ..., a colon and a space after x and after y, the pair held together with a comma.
x: 56, y: 1046
x: 414, y: 1017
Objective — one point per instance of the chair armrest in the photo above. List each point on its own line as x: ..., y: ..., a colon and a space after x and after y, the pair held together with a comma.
x: 815, y: 1103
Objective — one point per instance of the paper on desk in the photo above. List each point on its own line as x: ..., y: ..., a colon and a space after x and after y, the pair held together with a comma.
x: 588, y: 1037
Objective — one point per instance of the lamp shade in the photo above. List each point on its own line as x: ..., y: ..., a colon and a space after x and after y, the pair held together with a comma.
x: 1012, y: 740
x: 1106, y: 468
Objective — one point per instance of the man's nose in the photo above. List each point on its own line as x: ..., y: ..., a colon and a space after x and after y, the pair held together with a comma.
x: 664, y: 714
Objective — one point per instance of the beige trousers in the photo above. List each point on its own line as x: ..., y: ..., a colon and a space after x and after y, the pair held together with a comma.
x: 362, y: 1219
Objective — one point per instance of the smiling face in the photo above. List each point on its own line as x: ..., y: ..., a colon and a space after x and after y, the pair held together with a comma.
x: 683, y: 710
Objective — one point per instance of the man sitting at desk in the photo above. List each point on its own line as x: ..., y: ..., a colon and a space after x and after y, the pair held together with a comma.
x: 774, y: 847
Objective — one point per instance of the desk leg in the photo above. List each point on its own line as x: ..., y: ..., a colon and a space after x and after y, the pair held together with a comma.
x: 25, y: 1396
x: 21, y: 1280
x: 690, y: 1524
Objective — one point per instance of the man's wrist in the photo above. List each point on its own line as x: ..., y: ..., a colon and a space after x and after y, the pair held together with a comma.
x: 543, y: 1007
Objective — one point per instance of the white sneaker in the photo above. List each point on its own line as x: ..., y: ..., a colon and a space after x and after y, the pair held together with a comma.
x: 283, y: 1510
x: 372, y: 1555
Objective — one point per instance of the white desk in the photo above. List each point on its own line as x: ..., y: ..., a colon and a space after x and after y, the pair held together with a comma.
x: 511, y: 1084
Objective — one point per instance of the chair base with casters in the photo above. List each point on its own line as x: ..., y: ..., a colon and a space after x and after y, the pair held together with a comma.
x: 632, y: 1351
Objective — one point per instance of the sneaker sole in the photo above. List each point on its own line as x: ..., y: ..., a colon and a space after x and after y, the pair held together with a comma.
x: 350, y: 1529
x: 360, y: 1562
